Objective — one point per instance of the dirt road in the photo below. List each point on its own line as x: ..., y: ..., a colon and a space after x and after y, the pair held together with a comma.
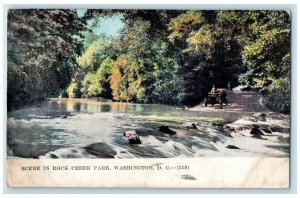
x: 244, y: 101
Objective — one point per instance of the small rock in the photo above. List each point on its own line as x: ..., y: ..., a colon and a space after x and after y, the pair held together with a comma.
x: 260, y: 116
x: 74, y: 151
x: 190, y: 125
x: 132, y: 137
x: 280, y: 137
x: 53, y: 156
x: 232, y: 147
x: 167, y: 130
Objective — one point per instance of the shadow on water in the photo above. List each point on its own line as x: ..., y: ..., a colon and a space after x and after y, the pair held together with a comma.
x: 38, y: 113
x: 32, y: 141
x: 101, y: 150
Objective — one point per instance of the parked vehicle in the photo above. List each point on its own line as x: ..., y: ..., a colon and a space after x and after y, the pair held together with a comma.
x: 219, y: 96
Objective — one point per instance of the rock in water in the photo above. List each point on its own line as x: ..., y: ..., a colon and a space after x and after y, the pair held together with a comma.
x: 190, y: 125
x: 225, y: 131
x: 280, y: 137
x: 101, y: 150
x: 53, y: 156
x: 267, y: 130
x: 167, y: 130
x: 257, y: 136
x: 256, y: 131
x: 132, y: 137
x: 232, y: 147
x: 278, y: 128
x: 260, y: 117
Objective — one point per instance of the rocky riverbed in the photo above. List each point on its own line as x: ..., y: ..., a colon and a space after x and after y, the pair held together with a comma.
x: 75, y: 129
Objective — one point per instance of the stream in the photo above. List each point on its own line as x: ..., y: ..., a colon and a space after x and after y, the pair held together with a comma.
x: 87, y: 128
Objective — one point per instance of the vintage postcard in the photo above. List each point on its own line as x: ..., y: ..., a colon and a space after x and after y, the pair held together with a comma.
x: 148, y: 98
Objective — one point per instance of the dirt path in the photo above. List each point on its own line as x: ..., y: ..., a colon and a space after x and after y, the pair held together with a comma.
x: 245, y: 101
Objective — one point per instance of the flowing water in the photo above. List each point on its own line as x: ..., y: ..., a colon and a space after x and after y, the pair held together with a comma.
x: 84, y: 128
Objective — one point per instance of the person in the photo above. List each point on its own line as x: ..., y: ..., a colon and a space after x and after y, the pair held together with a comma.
x: 213, y: 89
x: 228, y: 86
x: 223, y: 97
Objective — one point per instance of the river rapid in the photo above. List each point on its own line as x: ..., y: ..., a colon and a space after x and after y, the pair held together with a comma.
x: 86, y: 128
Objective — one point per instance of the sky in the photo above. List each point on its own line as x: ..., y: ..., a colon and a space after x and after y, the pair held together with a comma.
x: 110, y: 26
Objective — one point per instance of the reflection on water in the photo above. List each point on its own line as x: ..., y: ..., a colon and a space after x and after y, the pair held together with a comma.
x: 97, y: 107
x: 83, y: 128
x: 94, y: 106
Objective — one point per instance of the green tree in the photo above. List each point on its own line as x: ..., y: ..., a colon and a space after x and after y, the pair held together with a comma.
x: 267, y: 55
x: 157, y: 66
x: 175, y: 57
x: 96, y: 84
x: 42, y: 49
x: 104, y: 74
x: 96, y: 53
x: 89, y: 77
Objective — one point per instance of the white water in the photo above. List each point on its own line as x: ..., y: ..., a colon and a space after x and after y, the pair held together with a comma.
x: 47, y: 134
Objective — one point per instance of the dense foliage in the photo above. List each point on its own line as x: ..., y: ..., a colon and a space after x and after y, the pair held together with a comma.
x: 161, y: 56
x: 267, y: 55
x: 41, y: 53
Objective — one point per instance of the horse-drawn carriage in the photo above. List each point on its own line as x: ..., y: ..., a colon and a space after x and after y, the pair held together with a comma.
x: 219, y: 96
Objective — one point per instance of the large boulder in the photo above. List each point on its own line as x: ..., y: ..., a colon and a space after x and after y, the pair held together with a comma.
x: 256, y: 131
